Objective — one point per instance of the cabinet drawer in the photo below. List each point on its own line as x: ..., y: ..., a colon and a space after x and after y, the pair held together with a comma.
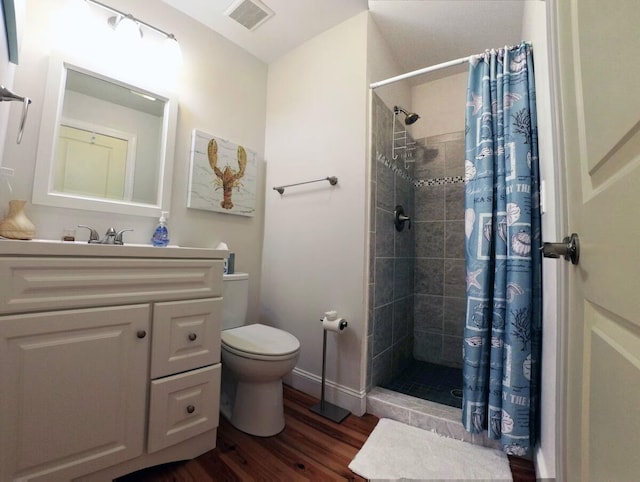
x: 183, y: 406
x: 29, y: 284
x: 186, y: 335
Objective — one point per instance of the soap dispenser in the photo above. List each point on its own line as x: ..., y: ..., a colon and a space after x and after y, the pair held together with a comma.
x: 161, y: 234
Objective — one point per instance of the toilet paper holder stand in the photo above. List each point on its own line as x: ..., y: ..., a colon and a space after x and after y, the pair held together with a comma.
x: 324, y: 408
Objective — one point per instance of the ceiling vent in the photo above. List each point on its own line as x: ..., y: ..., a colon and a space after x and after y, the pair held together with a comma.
x: 249, y: 13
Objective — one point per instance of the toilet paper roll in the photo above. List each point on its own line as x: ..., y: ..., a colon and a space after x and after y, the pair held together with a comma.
x: 337, y: 325
x: 331, y: 315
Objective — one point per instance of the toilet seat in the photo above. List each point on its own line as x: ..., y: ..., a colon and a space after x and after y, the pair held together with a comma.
x: 260, y: 342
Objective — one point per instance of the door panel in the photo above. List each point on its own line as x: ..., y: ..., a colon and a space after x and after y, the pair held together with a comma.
x: 600, y: 116
x: 90, y: 164
x: 611, y: 402
x: 607, y: 49
x: 77, y: 381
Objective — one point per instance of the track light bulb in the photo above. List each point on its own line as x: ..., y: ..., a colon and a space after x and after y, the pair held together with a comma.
x: 173, y: 51
x: 126, y: 28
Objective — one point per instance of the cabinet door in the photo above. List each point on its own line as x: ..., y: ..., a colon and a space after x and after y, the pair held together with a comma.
x: 73, y: 391
x: 186, y: 335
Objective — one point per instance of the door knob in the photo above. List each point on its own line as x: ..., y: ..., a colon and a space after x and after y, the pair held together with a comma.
x: 569, y: 249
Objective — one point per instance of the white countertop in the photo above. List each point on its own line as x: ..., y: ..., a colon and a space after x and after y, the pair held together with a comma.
x: 45, y: 247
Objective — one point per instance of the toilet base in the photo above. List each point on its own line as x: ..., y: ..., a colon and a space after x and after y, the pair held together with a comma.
x: 258, y: 408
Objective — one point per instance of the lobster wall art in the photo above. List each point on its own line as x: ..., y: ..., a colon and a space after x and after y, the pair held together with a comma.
x: 223, y: 176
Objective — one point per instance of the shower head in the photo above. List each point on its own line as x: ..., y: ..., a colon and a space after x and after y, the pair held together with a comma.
x: 409, y: 118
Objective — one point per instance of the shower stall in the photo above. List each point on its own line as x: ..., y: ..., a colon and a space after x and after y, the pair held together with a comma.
x: 417, y: 297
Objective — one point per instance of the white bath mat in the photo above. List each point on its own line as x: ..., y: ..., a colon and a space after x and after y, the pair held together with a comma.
x: 396, y: 451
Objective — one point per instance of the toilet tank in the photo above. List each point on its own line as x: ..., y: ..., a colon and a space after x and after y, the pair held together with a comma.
x: 235, y: 299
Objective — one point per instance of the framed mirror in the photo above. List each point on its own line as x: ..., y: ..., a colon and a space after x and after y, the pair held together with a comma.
x: 105, y: 143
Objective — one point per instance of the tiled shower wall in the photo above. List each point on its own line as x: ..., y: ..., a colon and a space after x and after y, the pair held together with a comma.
x: 440, y: 287
x: 417, y: 283
x: 392, y: 258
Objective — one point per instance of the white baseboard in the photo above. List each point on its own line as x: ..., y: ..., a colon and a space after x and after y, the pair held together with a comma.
x: 542, y: 471
x: 345, y: 397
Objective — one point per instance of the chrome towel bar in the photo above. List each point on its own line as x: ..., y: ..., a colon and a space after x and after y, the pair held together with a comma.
x: 7, y: 96
x: 332, y: 180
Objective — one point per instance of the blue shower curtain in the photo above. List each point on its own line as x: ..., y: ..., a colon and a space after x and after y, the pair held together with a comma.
x: 502, y: 336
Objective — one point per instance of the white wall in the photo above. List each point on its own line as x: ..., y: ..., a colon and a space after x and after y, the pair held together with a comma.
x: 221, y: 90
x: 315, y: 235
x: 534, y: 30
x: 441, y: 104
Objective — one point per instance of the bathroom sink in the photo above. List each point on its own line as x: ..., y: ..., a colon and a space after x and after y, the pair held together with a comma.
x: 43, y: 247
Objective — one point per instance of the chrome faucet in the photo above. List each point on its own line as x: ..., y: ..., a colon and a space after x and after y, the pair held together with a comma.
x: 118, y: 238
x: 94, y: 237
x: 111, y: 236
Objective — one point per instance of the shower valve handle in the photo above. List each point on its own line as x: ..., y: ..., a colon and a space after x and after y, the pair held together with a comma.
x: 401, y: 218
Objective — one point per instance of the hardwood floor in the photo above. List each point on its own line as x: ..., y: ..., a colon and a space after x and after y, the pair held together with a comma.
x: 309, y: 448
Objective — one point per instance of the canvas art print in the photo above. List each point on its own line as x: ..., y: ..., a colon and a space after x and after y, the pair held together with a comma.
x: 223, y: 176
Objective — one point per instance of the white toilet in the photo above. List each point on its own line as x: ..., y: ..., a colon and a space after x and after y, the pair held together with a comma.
x: 254, y: 360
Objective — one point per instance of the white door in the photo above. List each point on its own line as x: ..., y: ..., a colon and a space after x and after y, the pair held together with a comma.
x: 599, y: 82
x: 91, y: 164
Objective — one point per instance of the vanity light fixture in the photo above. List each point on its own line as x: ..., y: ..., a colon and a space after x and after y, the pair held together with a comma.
x: 172, y: 48
x: 132, y: 27
x: 126, y: 27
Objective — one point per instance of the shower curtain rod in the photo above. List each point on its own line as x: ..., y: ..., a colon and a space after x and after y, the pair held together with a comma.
x: 433, y: 68
x: 415, y: 73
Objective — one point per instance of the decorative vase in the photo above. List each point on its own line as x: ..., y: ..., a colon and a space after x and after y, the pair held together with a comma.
x: 17, y: 225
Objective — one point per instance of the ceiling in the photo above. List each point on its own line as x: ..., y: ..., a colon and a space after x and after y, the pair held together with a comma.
x: 420, y: 33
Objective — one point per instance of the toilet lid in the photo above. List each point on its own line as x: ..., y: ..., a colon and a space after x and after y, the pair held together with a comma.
x: 260, y: 340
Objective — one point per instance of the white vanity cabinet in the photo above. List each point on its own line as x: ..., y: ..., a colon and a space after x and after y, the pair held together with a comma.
x: 109, y: 358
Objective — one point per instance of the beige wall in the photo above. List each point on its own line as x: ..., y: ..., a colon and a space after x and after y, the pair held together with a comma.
x: 314, y: 241
x: 381, y: 65
x: 441, y: 105
x: 221, y: 90
x: 534, y: 30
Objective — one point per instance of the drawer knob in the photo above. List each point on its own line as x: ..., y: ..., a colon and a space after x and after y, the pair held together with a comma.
x: 191, y: 409
x: 192, y: 336
x: 141, y: 334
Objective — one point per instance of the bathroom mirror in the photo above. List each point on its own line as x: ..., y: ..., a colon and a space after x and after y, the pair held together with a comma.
x: 106, y: 144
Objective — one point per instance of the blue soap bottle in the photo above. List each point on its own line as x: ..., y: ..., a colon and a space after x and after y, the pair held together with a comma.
x: 161, y: 234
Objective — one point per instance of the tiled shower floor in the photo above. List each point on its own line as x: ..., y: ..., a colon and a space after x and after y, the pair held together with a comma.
x: 428, y: 381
